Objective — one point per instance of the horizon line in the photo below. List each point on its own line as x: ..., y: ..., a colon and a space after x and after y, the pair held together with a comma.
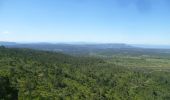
x: 82, y: 42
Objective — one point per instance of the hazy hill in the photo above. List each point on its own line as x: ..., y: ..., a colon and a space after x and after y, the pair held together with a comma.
x: 91, y: 49
x: 7, y: 43
x: 67, y: 48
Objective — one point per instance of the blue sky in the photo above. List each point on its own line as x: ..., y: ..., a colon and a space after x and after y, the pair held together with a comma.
x: 103, y: 21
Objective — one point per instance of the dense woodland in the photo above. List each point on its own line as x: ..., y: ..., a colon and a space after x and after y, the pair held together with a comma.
x: 27, y: 74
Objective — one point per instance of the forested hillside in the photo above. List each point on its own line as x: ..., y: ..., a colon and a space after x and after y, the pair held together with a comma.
x: 27, y: 74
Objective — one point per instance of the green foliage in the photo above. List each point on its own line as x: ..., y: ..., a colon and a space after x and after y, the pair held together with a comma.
x: 39, y: 75
x: 7, y: 92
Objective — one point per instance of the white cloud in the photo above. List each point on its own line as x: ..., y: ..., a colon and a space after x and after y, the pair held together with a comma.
x: 5, y: 32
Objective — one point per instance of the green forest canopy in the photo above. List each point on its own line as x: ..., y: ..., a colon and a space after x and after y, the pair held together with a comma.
x: 27, y: 74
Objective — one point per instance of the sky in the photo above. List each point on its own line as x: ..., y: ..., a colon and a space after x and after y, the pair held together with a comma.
x: 96, y: 21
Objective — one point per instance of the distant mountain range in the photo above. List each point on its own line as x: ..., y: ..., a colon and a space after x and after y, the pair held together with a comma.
x: 7, y: 43
x: 65, y: 45
x: 149, y: 46
x: 69, y: 48
x: 85, y: 45
x: 107, y: 49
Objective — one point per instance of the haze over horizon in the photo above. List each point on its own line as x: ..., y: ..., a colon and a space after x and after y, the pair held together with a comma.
x: 92, y: 21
